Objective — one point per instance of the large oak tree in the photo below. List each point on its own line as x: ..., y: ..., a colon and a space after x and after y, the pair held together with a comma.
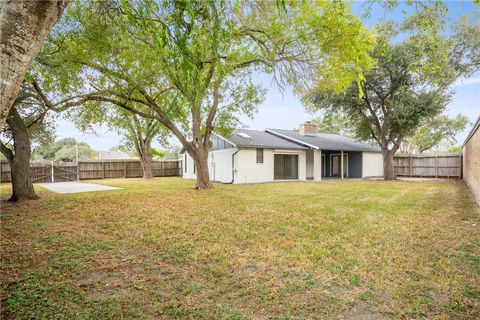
x: 411, y: 82
x: 28, y: 120
x: 390, y: 103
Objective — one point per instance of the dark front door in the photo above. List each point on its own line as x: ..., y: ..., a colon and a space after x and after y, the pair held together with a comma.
x: 336, y: 165
x: 285, y: 166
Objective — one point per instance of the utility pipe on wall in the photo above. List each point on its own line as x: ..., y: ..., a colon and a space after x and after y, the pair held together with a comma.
x: 233, y: 167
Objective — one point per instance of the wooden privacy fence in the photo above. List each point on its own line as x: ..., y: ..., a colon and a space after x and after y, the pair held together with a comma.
x: 442, y: 165
x: 41, y: 171
x: 48, y: 171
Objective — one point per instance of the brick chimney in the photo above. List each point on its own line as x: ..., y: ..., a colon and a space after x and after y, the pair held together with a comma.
x: 307, y: 128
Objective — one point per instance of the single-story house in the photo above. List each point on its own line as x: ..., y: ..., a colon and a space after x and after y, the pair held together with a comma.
x: 249, y: 156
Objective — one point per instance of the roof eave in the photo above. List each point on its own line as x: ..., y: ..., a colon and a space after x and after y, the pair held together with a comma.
x: 292, y: 139
x: 250, y: 146
x: 228, y: 140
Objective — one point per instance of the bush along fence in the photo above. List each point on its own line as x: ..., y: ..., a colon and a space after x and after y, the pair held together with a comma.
x: 437, y: 166
x: 49, y: 171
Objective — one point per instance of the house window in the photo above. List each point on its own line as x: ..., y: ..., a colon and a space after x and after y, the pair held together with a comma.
x: 185, y: 163
x: 259, y: 155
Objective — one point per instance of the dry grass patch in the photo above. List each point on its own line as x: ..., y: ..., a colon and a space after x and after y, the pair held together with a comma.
x: 159, y: 249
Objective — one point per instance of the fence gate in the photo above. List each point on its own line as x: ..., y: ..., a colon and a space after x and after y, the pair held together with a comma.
x: 41, y: 172
x: 44, y: 171
x: 66, y: 171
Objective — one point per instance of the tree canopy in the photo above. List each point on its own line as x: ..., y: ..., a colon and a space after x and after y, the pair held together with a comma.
x: 63, y: 150
x: 393, y: 100
x: 189, y: 64
x: 433, y: 132
x: 410, y: 83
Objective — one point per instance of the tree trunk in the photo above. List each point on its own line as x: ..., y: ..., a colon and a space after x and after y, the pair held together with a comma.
x: 23, y: 28
x: 147, y: 166
x: 22, y: 187
x: 145, y: 155
x: 388, y: 170
x: 201, y: 168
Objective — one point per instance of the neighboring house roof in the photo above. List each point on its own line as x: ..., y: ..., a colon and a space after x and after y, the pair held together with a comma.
x: 472, y: 132
x: 325, y: 141
x: 244, y: 138
x: 114, y: 155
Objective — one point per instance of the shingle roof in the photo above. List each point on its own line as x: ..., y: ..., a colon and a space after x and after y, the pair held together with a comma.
x: 261, y: 139
x: 326, y: 141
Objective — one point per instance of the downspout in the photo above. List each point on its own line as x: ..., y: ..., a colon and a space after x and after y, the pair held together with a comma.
x: 233, y: 168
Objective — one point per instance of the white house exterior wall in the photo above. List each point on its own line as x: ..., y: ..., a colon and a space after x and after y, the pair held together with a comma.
x: 317, y: 168
x: 247, y: 170
x: 188, y: 167
x: 314, y: 164
x: 219, y: 165
x: 372, y: 164
x: 310, y: 162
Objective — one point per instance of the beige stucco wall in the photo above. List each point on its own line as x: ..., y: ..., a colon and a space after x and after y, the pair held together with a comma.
x: 471, y: 164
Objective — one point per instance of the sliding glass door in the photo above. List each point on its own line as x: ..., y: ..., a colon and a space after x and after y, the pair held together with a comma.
x: 285, y: 166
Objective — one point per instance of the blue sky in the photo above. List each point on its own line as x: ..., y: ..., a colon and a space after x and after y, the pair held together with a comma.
x: 282, y: 109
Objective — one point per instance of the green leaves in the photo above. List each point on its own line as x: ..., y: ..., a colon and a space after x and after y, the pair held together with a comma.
x: 415, y: 66
x: 62, y: 150
x: 436, y: 130
x: 396, y: 97
x: 189, y: 64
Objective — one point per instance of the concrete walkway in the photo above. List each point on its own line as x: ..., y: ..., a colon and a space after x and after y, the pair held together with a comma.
x: 75, y: 187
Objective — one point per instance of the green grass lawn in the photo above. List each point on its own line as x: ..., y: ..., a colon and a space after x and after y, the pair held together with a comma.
x: 161, y: 250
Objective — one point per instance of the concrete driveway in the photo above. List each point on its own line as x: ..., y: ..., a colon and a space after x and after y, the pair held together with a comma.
x: 75, y: 187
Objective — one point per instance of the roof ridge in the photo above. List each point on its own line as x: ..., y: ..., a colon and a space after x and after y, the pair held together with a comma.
x: 326, y: 141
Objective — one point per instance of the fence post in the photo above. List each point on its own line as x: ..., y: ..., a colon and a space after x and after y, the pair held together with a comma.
x: 460, y: 166
x: 125, y: 169
x: 103, y: 170
x: 410, y: 166
x: 52, y: 171
x: 78, y: 170
x: 436, y: 167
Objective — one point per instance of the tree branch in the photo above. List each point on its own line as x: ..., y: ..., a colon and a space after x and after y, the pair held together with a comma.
x: 6, y: 151
x: 211, y: 114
